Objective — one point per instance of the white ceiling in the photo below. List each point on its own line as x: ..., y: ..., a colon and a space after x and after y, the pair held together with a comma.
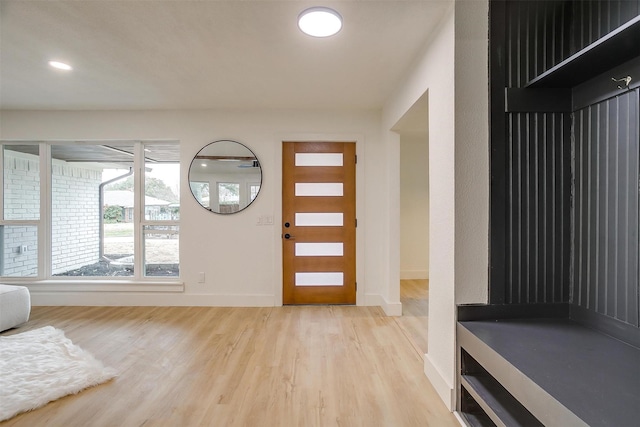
x: 186, y: 54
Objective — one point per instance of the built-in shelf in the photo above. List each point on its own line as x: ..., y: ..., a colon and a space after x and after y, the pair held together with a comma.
x: 478, y: 420
x: 617, y: 47
x: 549, y: 371
x: 500, y: 406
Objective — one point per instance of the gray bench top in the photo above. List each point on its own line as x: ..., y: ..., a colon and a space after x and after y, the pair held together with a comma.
x: 593, y: 375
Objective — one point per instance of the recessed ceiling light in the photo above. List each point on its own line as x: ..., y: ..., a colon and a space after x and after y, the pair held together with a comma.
x: 320, y: 22
x: 60, y: 65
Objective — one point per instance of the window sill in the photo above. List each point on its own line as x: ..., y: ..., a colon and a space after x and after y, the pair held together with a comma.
x: 99, y: 285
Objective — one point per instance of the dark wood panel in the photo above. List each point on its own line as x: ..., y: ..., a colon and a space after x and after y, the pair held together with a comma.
x: 538, y: 38
x: 593, y: 19
x: 538, y: 211
x: 545, y: 100
x: 602, y: 87
x: 540, y: 35
x: 498, y: 154
x: 469, y: 312
x: 605, y: 53
x: 531, y: 149
x: 605, y: 261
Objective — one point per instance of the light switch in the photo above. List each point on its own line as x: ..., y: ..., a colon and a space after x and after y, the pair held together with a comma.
x: 265, y: 220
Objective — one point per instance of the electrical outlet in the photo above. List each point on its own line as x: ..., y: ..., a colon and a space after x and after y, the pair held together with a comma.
x: 201, y: 277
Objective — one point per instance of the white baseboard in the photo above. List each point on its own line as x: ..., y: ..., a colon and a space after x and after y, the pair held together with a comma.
x: 389, y: 308
x: 41, y: 298
x: 98, y: 294
x: 439, y: 383
x: 414, y: 275
x: 392, y: 308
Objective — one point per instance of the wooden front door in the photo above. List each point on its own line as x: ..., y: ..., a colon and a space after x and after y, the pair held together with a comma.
x: 319, y: 222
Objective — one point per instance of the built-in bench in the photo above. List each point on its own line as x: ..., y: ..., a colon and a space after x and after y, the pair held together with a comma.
x: 552, y: 372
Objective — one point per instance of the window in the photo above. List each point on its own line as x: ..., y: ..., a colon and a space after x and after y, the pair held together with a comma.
x: 254, y: 189
x: 161, y: 211
x: 228, y: 197
x: 200, y: 190
x: 71, y: 210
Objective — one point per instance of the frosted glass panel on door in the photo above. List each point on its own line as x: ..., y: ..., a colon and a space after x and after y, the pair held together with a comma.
x: 319, y: 249
x: 319, y: 279
x: 319, y: 219
x: 318, y: 159
x: 325, y: 189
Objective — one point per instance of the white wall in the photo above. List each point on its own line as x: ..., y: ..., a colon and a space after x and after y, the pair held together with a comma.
x: 472, y: 151
x: 241, y: 260
x: 453, y: 71
x: 414, y: 206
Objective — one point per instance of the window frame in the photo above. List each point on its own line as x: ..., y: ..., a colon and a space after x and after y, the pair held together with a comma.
x: 44, y: 227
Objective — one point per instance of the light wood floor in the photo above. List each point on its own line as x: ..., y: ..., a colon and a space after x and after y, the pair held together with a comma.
x: 414, y: 295
x: 280, y: 366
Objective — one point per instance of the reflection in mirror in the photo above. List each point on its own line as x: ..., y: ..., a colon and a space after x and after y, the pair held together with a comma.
x: 225, y: 177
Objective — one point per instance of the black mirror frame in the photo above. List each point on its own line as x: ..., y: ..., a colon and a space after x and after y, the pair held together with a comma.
x: 194, y: 159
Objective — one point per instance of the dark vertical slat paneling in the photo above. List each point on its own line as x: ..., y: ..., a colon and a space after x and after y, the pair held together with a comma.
x: 603, y: 204
x: 564, y: 141
x: 514, y: 207
x: 592, y: 214
x: 628, y: 10
x: 633, y: 181
x: 636, y: 209
x: 606, y: 215
x: 537, y: 38
x: 578, y: 212
x: 531, y: 165
x: 593, y: 19
x: 611, y: 248
x: 498, y: 155
x: 538, y: 226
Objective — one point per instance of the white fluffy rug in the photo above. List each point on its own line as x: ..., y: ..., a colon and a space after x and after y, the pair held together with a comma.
x: 42, y: 365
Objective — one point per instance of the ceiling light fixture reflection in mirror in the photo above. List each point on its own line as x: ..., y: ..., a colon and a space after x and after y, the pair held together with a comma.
x: 225, y: 177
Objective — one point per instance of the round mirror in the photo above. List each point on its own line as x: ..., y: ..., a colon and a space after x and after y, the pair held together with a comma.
x: 225, y: 177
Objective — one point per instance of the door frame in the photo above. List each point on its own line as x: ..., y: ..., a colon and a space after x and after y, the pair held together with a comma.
x: 276, y: 178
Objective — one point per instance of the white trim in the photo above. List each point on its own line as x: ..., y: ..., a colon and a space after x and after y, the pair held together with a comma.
x: 138, y: 209
x: 390, y: 308
x: 101, y: 285
x: 439, y: 383
x: 168, y: 299
x: 459, y: 418
x: 1, y: 183
x: 45, y: 243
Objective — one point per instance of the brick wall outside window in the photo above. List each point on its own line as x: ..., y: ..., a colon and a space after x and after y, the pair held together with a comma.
x: 75, y: 216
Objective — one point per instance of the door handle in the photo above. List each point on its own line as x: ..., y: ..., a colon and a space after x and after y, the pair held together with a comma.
x: 289, y: 236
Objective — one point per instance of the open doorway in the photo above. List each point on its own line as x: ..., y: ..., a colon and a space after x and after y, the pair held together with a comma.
x: 413, y: 129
